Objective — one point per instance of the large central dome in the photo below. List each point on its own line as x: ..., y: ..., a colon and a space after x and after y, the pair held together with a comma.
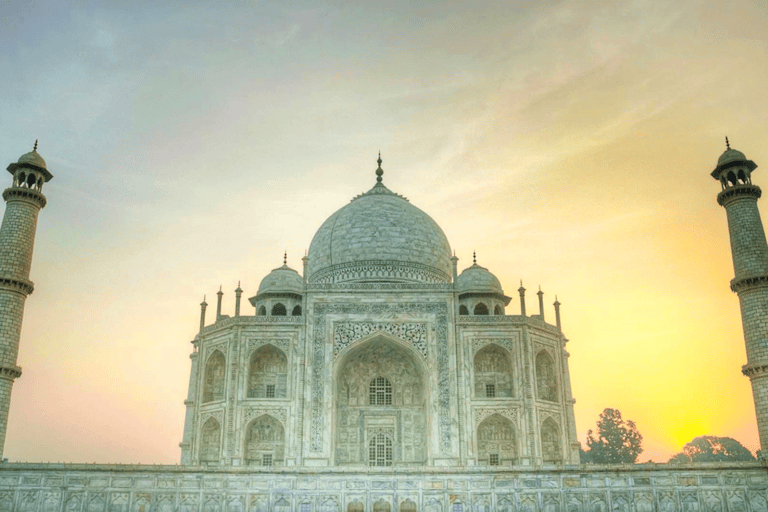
x: 379, y: 237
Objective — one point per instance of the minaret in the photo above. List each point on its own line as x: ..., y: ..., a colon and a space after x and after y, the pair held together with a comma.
x: 750, y: 264
x: 24, y: 199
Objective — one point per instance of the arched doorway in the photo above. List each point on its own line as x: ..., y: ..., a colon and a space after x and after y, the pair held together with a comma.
x: 380, y: 404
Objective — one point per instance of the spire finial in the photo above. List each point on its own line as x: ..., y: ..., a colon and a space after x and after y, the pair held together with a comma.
x: 727, y: 144
x: 379, y: 171
x: 35, y: 148
x: 285, y: 258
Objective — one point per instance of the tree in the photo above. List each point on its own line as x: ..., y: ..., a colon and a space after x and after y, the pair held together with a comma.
x: 615, y: 441
x: 712, y: 449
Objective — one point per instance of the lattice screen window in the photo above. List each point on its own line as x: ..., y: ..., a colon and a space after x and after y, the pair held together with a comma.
x: 306, y: 507
x: 270, y: 391
x: 493, y: 459
x: 380, y: 392
x: 266, y: 459
x: 490, y: 390
x: 380, y: 451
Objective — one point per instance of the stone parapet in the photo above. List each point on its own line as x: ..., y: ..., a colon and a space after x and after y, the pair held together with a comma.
x: 720, y: 487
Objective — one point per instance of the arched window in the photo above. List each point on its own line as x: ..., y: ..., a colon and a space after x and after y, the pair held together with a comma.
x: 355, y: 506
x: 382, y: 506
x: 210, y: 441
x: 380, y: 392
x: 481, y: 309
x: 463, y: 310
x: 268, y: 373
x: 296, y: 311
x: 213, y: 386
x: 408, y: 506
x: 496, y: 442
x: 262, y: 311
x: 265, y: 442
x: 546, y: 382
x: 497, y: 310
x: 380, y: 450
x: 732, y: 178
x: 550, y: 441
x: 493, y: 372
x: 278, y: 310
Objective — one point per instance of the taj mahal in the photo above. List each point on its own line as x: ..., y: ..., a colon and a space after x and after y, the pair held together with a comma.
x: 380, y: 377
x: 380, y: 353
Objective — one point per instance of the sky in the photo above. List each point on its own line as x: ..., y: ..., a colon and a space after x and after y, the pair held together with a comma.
x: 191, y: 143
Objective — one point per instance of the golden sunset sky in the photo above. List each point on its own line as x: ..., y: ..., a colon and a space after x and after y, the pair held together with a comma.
x: 569, y: 143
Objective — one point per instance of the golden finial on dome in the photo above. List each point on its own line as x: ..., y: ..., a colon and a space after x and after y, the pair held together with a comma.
x: 727, y: 144
x: 35, y: 148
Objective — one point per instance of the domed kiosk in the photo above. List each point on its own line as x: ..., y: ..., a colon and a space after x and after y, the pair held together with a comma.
x: 479, y: 291
x: 379, y: 355
x: 280, y: 292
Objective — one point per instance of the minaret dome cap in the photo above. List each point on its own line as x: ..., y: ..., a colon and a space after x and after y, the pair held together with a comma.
x: 732, y: 158
x: 34, y: 161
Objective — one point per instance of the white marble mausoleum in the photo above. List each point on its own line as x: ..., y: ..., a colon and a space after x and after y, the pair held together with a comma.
x: 380, y: 353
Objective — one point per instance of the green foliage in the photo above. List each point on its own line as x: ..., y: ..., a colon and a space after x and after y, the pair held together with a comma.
x: 712, y: 449
x: 615, y: 441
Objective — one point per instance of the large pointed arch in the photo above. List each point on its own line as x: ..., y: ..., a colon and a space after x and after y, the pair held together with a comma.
x: 551, y: 449
x: 496, y: 441
x: 546, y: 379
x: 213, y: 380
x: 210, y: 441
x: 267, y: 373
x: 264, y: 442
x: 396, y: 365
x: 492, y: 367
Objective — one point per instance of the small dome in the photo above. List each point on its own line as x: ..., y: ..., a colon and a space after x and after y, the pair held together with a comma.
x: 32, y: 158
x: 730, y: 158
x: 282, y: 280
x: 477, y: 279
x: 731, y: 155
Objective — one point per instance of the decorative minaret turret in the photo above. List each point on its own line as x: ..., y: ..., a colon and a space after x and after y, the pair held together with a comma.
x: 203, y: 305
x: 238, y: 295
x: 24, y: 199
x: 218, y: 304
x: 521, y: 291
x: 541, y: 303
x: 557, y: 314
x: 750, y: 264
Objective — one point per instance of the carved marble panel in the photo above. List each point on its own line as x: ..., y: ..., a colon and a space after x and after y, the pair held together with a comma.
x: 320, y: 367
x: 346, y: 333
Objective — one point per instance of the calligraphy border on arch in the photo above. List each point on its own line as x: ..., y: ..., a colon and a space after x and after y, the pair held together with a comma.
x: 511, y: 414
x: 439, y: 309
x: 281, y: 343
x: 279, y: 413
x: 509, y: 343
x: 346, y: 333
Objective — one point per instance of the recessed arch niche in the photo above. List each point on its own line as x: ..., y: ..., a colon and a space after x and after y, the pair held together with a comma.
x: 358, y: 419
x: 268, y: 373
x: 264, y: 442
